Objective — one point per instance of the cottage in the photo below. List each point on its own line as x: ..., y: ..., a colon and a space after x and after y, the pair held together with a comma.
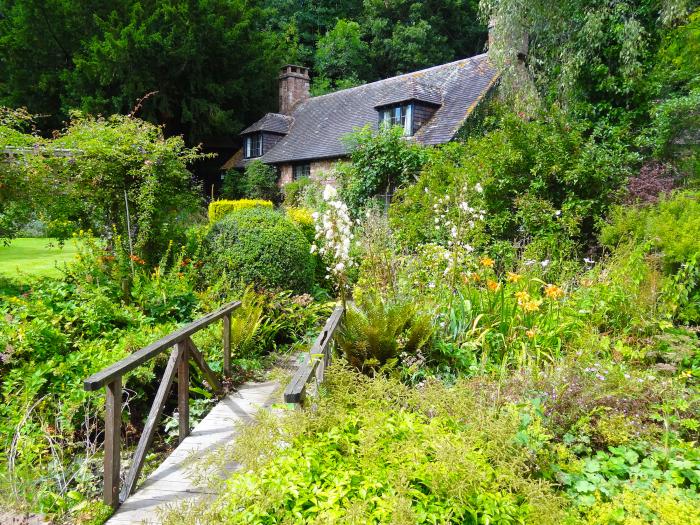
x: 305, y: 137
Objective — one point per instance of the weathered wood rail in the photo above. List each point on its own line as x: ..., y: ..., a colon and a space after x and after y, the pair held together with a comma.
x: 316, y: 361
x: 178, y: 365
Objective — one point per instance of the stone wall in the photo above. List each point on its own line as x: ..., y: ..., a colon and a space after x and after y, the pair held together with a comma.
x: 286, y: 174
x: 321, y: 170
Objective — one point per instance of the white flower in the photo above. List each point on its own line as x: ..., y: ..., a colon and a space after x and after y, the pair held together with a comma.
x: 329, y: 192
x: 557, y: 213
x: 314, y: 248
x: 545, y: 263
x: 478, y: 188
x: 339, y: 267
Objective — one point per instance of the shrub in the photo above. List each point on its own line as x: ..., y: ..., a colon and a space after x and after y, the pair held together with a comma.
x: 653, y: 180
x: 232, y: 185
x: 304, y: 221
x: 670, y: 227
x: 115, y: 158
x: 294, y: 191
x: 377, y: 452
x: 218, y: 209
x: 259, y: 246
x: 541, y: 172
x: 380, y: 163
x: 260, y: 182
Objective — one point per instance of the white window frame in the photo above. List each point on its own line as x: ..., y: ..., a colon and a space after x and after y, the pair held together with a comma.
x: 398, y: 115
x: 248, y: 147
x: 253, y: 146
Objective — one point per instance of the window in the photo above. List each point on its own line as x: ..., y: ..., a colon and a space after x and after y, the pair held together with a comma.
x: 398, y: 115
x: 253, y: 146
x: 301, y: 171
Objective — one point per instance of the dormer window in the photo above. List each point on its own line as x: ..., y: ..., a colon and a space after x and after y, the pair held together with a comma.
x: 253, y: 145
x: 398, y: 115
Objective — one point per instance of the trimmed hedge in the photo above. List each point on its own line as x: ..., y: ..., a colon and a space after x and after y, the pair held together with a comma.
x: 219, y: 209
x: 304, y: 221
x: 259, y: 246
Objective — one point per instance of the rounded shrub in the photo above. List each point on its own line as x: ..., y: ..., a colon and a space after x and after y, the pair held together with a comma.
x: 259, y: 246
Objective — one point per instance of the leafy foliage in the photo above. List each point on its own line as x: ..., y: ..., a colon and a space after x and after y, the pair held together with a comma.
x: 56, y: 332
x: 207, y: 64
x: 380, y: 162
x: 376, y: 451
x: 220, y: 208
x: 85, y: 177
x: 544, y: 180
x: 259, y: 245
x: 652, y: 181
x: 260, y: 182
x: 376, y: 333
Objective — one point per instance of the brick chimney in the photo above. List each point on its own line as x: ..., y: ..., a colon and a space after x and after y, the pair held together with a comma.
x: 294, y: 87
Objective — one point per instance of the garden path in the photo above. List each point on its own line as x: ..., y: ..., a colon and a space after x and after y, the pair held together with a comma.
x: 171, y: 483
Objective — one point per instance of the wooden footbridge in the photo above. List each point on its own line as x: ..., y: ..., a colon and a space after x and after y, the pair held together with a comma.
x: 171, y: 483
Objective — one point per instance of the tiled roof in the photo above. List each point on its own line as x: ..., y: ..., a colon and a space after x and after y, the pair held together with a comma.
x: 413, y: 90
x: 272, y: 122
x: 319, y: 124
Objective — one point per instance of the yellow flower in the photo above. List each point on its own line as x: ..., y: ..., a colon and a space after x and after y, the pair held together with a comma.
x: 493, y: 285
x: 514, y: 277
x: 532, y: 332
x: 523, y: 297
x: 532, y: 305
x: 487, y: 262
x: 552, y: 291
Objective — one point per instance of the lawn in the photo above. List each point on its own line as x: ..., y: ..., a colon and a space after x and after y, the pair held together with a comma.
x: 36, y: 257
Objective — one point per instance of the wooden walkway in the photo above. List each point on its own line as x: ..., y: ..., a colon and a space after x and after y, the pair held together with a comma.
x: 170, y: 483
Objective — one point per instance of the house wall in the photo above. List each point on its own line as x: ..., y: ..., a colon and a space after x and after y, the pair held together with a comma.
x: 286, y: 174
x: 321, y: 170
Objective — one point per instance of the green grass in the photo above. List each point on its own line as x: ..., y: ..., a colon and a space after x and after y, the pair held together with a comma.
x: 35, y: 257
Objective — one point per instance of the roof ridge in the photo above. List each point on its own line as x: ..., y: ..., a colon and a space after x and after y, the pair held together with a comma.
x: 275, y: 113
x: 467, y: 59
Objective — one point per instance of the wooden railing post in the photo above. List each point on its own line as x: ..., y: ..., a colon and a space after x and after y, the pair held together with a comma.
x: 183, y: 390
x: 113, y: 419
x: 227, y: 345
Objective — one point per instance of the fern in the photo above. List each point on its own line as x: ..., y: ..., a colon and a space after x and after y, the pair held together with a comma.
x: 246, y: 322
x: 376, y: 332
